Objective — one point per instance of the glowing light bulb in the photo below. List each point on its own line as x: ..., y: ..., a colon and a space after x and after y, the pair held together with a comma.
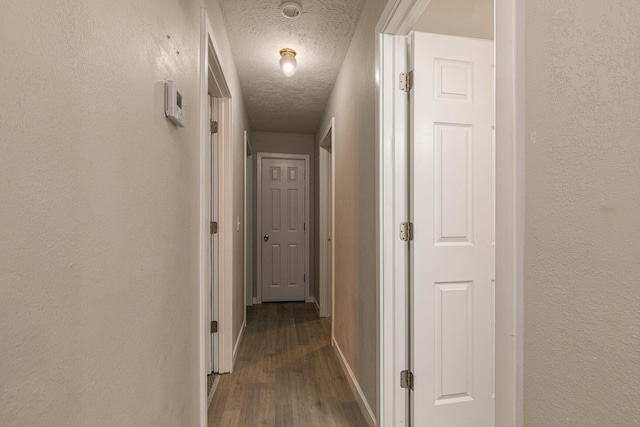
x: 288, y: 61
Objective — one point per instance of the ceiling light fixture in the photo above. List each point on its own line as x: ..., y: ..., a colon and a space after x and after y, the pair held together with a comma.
x: 291, y: 9
x: 288, y: 61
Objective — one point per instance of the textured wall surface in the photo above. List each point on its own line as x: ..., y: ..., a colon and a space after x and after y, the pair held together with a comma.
x: 582, y: 286
x: 98, y: 215
x: 465, y: 18
x: 352, y: 102
x: 320, y: 36
x: 285, y: 143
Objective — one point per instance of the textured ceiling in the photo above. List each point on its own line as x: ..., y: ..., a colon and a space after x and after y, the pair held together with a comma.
x: 320, y: 36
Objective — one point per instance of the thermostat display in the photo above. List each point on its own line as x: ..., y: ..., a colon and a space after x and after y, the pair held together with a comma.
x: 173, y: 107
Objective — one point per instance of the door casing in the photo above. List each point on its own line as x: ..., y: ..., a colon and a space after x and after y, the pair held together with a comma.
x: 258, y: 237
x: 212, y: 80
x: 396, y: 21
x: 327, y: 220
x: 248, y: 223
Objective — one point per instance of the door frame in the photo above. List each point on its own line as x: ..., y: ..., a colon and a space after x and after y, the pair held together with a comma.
x: 258, y: 237
x: 397, y: 19
x: 212, y: 79
x: 248, y: 222
x: 246, y: 256
x: 214, y: 105
x: 327, y: 161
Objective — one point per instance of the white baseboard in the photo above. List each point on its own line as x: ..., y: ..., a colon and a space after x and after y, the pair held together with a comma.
x: 355, y: 386
x: 256, y: 300
x: 316, y: 305
x: 237, y: 346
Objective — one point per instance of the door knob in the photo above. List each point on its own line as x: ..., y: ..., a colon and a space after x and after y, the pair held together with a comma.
x: 266, y: 238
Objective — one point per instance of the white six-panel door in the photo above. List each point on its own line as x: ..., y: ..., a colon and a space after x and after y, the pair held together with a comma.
x: 283, y: 229
x: 452, y: 261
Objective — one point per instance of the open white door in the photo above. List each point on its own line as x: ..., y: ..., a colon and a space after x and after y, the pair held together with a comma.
x: 452, y: 255
x: 211, y: 200
x: 215, y: 254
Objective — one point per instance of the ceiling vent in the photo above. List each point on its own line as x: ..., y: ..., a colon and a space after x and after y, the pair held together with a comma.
x: 291, y: 10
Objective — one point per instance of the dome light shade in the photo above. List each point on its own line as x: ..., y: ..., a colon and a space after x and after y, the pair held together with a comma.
x: 288, y: 61
x: 291, y: 9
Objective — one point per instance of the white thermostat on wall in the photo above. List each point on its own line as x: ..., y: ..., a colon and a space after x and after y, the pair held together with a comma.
x: 173, y: 103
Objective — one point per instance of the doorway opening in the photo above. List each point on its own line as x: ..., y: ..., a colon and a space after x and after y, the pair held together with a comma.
x: 213, y: 249
x: 215, y: 217
x: 326, y: 232
x: 395, y: 256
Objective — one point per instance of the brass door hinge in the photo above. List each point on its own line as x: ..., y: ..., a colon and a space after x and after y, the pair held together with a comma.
x: 214, y: 326
x: 406, y: 379
x: 406, y: 81
x: 213, y: 227
x: 406, y: 231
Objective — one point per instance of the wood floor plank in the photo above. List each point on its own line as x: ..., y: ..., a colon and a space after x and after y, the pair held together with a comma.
x: 284, y: 415
x: 286, y: 374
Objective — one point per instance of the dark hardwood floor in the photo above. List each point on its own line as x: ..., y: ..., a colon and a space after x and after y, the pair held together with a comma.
x: 286, y: 374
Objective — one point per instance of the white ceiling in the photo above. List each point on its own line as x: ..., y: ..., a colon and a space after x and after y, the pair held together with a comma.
x: 320, y: 36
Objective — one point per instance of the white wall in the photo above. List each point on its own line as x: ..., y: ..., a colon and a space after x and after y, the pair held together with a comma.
x: 352, y: 102
x: 582, y: 292
x: 285, y: 143
x: 464, y: 18
x: 99, y: 214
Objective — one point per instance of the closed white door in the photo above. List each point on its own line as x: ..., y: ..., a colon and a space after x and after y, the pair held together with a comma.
x: 283, y: 230
x: 452, y: 305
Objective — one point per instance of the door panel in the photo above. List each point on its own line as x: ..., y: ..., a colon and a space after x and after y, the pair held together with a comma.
x: 283, y: 216
x: 452, y: 271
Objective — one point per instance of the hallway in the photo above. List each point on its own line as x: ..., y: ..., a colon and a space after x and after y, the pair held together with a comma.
x: 286, y: 374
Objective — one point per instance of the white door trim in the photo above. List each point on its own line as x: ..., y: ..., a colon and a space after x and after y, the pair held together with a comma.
x: 393, y: 208
x: 245, y: 227
x: 397, y: 19
x: 212, y: 80
x: 327, y: 140
x: 258, y: 237
x: 510, y: 210
x: 248, y: 223
x: 214, y: 215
